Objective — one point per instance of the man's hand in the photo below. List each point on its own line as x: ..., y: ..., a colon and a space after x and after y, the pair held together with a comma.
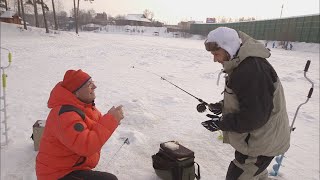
x: 216, y: 108
x: 212, y: 125
x: 117, y: 113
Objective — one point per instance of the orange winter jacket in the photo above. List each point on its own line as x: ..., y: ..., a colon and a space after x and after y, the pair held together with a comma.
x: 71, y: 140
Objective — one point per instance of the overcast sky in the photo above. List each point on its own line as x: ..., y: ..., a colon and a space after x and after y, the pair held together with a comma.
x: 174, y: 11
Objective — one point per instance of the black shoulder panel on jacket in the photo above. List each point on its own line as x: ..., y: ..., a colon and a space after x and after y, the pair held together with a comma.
x: 69, y: 108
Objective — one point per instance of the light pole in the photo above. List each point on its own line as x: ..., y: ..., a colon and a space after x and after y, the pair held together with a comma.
x: 281, y: 11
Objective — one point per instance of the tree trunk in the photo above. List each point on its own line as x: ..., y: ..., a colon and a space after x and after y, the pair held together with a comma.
x: 75, y: 15
x: 54, y: 16
x: 78, y: 16
x: 78, y: 10
x: 36, y: 12
x: 6, y: 4
x: 44, y: 17
x: 19, y: 11
x: 23, y: 16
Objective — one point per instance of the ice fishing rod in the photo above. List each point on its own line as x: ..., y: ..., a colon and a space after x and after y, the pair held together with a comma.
x: 279, y: 159
x: 200, y: 107
x: 4, y: 96
x: 126, y: 141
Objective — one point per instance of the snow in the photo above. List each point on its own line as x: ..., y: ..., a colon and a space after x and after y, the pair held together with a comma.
x: 8, y: 14
x: 155, y: 111
x: 171, y: 145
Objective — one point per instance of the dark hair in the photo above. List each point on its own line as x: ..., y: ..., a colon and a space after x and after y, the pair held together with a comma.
x: 211, y: 46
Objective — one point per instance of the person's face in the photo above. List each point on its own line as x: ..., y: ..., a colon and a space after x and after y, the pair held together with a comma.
x: 86, y: 93
x: 220, y: 55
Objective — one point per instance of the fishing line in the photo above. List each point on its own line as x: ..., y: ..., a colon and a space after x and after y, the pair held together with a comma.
x: 200, y: 107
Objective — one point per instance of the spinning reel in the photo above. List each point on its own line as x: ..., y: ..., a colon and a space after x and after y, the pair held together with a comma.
x: 202, y: 107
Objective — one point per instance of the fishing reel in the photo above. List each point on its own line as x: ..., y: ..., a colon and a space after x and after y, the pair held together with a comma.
x: 202, y: 107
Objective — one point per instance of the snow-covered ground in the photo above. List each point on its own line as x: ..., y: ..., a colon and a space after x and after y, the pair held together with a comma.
x: 155, y: 111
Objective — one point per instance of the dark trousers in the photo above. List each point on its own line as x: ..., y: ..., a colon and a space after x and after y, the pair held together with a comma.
x: 244, y: 167
x: 89, y: 175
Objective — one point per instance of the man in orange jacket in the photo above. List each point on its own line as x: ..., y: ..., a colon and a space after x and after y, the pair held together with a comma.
x: 75, y: 131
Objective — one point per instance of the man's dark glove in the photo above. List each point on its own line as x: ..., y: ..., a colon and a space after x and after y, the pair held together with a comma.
x: 216, y: 108
x: 212, y: 125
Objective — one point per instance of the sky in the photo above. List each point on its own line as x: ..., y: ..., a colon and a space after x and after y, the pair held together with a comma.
x: 172, y: 12
x: 155, y: 111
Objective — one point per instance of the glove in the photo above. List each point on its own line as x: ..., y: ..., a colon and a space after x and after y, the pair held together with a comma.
x: 212, y: 125
x: 216, y: 108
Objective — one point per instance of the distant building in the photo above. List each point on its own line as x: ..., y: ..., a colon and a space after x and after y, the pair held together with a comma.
x: 101, y: 18
x: 173, y: 28
x: 185, y: 25
x: 90, y: 27
x: 211, y: 20
x: 10, y: 17
x: 69, y: 24
x: 134, y: 20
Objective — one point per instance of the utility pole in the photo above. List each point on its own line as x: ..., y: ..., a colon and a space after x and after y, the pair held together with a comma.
x: 281, y: 11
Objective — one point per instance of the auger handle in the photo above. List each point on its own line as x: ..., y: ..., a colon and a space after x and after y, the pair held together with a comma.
x: 310, y: 92
x: 10, y: 57
x: 307, y: 66
x: 305, y: 71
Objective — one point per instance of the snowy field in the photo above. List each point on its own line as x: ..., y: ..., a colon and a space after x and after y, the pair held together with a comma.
x: 155, y: 111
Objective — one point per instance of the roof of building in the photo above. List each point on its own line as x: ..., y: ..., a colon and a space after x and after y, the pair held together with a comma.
x: 137, y: 17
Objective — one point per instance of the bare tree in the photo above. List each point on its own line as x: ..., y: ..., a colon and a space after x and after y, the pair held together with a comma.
x: 148, y: 14
x: 54, y: 16
x: 27, y: 10
x: 76, y: 12
x: 241, y: 19
x: 246, y: 19
x: 223, y: 19
x: 35, y: 12
x: 58, y: 6
x: 75, y: 15
x: 44, y: 6
x: 19, y: 10
x: 23, y: 15
x: 4, y: 4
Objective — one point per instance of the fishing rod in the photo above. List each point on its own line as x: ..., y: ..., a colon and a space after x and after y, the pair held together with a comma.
x: 200, y: 107
x: 126, y: 141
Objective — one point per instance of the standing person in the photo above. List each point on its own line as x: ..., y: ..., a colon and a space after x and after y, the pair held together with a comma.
x: 75, y: 131
x: 254, y: 118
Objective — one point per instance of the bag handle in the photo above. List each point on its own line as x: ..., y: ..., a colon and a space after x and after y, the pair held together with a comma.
x: 198, y: 176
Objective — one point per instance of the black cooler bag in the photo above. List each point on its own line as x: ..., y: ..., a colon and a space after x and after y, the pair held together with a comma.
x: 175, y: 162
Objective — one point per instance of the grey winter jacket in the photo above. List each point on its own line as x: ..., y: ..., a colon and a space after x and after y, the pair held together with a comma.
x: 255, y: 120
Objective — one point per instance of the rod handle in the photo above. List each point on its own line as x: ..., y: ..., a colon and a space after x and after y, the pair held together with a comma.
x: 10, y: 57
x: 310, y: 92
x: 307, y: 66
x: 4, y: 80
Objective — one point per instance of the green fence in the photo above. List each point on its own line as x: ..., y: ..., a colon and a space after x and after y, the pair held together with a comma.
x: 301, y: 29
